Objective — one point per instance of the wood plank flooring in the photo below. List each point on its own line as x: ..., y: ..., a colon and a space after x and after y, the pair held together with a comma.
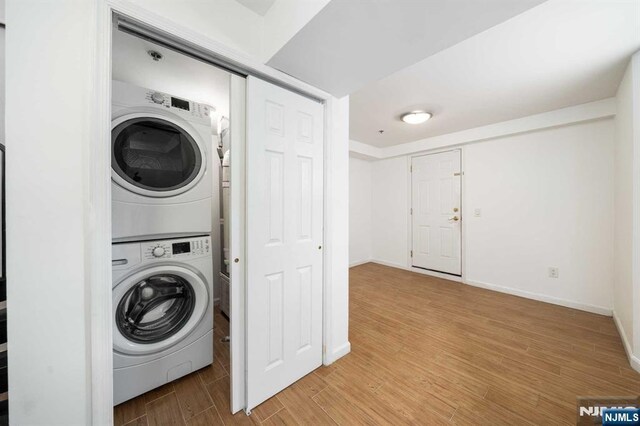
x: 424, y: 351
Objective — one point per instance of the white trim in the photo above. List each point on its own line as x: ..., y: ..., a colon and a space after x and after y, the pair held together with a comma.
x: 337, y: 353
x: 98, y: 231
x: 634, y: 361
x: 542, y: 298
x: 365, y: 151
x: 359, y: 262
x: 605, y: 108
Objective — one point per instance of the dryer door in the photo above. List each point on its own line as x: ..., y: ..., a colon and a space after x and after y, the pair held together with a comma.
x: 156, y: 308
x: 155, y: 155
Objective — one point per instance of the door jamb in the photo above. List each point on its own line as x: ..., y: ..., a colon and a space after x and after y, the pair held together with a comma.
x: 99, y: 231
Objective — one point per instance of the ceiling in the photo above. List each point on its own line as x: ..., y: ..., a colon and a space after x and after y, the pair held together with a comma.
x: 560, y: 53
x: 261, y: 7
x: 351, y: 43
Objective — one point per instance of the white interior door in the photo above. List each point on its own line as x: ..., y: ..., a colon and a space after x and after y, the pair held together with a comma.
x: 435, y: 213
x: 284, y: 238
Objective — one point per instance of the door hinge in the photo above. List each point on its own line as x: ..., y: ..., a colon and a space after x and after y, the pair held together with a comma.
x: 411, y: 211
x: 411, y: 168
x: 459, y: 174
x: 411, y: 253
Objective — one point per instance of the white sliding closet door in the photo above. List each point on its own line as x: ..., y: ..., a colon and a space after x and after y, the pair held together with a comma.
x: 284, y: 238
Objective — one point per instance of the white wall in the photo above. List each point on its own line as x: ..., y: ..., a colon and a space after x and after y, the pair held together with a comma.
x: 626, y: 292
x: 360, y: 211
x: 336, y: 267
x: 390, y: 211
x: 546, y: 199
x: 624, y: 150
x: 49, y: 72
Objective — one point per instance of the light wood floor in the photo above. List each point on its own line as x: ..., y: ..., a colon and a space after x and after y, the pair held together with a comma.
x: 424, y: 351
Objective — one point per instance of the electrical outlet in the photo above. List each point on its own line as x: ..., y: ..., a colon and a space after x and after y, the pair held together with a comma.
x: 477, y: 212
x: 553, y: 272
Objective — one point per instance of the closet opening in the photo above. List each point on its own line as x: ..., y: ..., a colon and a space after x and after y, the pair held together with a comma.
x: 171, y: 217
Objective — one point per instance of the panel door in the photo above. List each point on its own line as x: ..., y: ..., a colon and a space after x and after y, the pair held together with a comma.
x: 436, y: 215
x: 284, y: 238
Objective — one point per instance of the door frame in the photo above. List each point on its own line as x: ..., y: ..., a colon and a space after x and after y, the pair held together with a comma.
x: 463, y: 217
x: 99, y: 189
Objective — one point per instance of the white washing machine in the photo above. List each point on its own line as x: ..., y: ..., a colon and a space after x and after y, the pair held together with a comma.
x: 162, y: 312
x: 161, y: 169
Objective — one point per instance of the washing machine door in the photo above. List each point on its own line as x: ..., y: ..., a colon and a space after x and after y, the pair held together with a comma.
x: 156, y: 155
x: 156, y: 308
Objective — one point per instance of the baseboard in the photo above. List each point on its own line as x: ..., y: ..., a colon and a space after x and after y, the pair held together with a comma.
x: 359, y: 262
x: 543, y: 298
x: 634, y: 361
x: 338, y: 353
x: 418, y: 270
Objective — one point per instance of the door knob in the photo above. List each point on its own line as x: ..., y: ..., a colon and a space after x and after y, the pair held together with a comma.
x: 455, y: 218
x: 455, y: 209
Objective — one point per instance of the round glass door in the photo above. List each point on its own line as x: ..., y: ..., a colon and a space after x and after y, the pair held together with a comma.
x: 155, y: 308
x: 154, y: 154
x: 158, y: 307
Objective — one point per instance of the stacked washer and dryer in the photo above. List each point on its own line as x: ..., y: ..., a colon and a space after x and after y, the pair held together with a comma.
x: 162, y: 192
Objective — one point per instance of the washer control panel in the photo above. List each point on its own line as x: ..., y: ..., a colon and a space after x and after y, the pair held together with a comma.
x: 177, y: 249
x: 177, y: 104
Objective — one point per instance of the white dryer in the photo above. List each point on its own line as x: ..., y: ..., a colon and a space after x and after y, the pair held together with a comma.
x: 161, y: 165
x: 162, y: 312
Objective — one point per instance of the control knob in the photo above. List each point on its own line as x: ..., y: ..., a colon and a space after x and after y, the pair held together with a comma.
x: 158, y: 251
x: 157, y: 97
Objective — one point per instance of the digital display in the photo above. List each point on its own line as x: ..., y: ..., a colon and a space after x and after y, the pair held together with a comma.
x: 180, y: 103
x: 179, y: 248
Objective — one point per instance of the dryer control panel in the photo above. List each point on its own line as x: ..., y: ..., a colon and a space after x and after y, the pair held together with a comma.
x: 177, y: 249
x: 177, y: 104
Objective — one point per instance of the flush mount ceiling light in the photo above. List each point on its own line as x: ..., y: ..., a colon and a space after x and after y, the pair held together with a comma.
x: 416, y: 117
